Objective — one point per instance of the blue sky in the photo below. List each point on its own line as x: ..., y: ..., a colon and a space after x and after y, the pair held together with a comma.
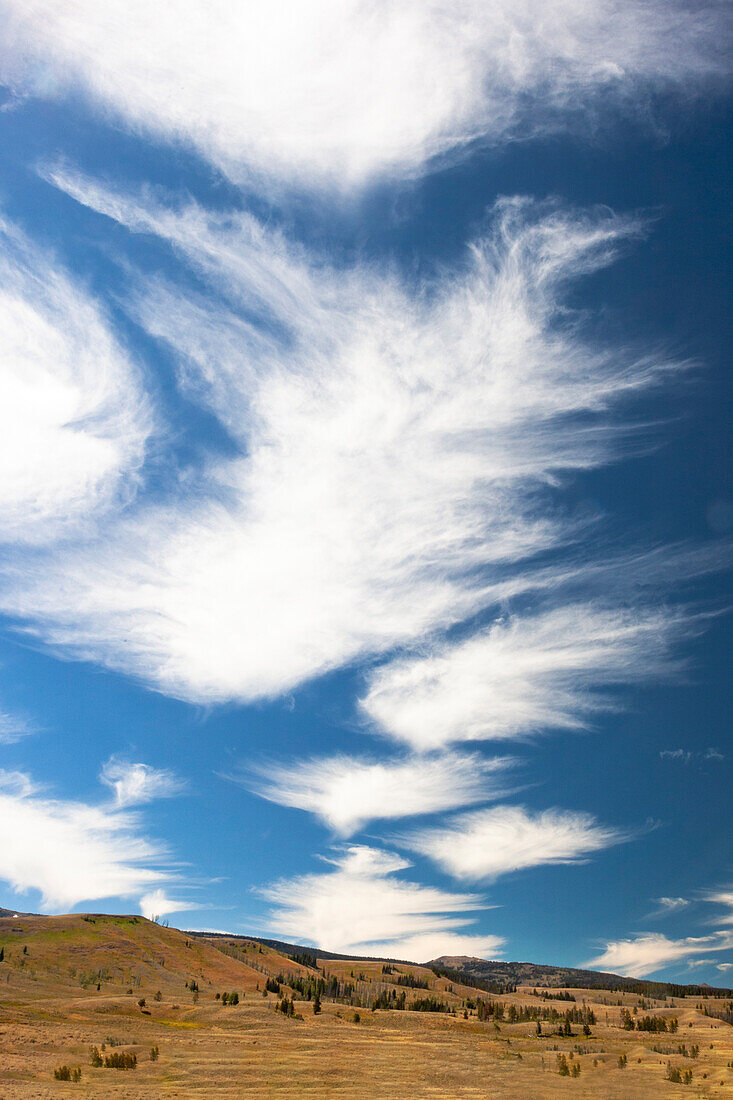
x: 365, y: 485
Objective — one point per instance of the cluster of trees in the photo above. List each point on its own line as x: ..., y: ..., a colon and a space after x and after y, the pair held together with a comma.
x: 66, y: 1073
x: 412, y: 982
x: 119, y: 1059
x: 428, y: 1004
x: 679, y: 1076
x: 519, y: 1014
x: 548, y: 995
x: 286, y: 1006
x: 389, y: 998
x: 325, y: 988
x: 227, y: 998
x: 648, y: 1023
x: 725, y: 1013
x: 660, y: 991
x: 305, y: 958
x: 567, y: 1069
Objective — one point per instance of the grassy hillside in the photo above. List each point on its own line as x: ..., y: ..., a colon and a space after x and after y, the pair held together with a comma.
x: 117, y: 953
x: 212, y: 1016
x: 520, y: 973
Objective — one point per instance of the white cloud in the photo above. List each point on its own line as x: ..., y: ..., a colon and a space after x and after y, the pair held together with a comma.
x: 335, y: 93
x: 519, y: 676
x: 684, y: 756
x: 136, y: 783
x: 73, y: 418
x: 71, y: 851
x: 13, y: 727
x: 650, y: 952
x: 486, y: 843
x: 157, y: 903
x: 397, y: 444
x: 347, y: 792
x: 360, y: 908
x: 722, y: 897
x: 665, y: 906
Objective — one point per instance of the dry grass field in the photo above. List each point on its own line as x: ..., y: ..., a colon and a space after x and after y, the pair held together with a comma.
x: 52, y: 1013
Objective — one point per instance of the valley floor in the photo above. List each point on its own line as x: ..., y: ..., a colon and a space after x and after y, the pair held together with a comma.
x: 250, y: 1050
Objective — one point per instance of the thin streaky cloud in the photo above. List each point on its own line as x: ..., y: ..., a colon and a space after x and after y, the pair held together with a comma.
x: 347, y: 792
x: 14, y: 727
x: 724, y: 898
x: 359, y: 906
x: 399, y: 451
x: 521, y: 675
x: 74, y: 417
x: 484, y: 844
x: 650, y: 952
x: 73, y: 851
x: 322, y: 94
x: 667, y: 906
x: 688, y: 756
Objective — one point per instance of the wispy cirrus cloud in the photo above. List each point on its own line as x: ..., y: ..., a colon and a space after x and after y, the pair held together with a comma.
x: 74, y: 418
x: 520, y: 676
x: 321, y: 93
x: 73, y: 851
x: 397, y: 443
x: 650, y: 952
x: 687, y: 756
x: 346, y: 792
x: 13, y: 727
x: 359, y: 906
x: 666, y: 906
x: 724, y: 898
x: 487, y: 843
x: 134, y: 784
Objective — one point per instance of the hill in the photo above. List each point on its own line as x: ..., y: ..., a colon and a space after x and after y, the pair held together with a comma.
x: 522, y: 973
x: 90, y: 950
x: 130, y: 1009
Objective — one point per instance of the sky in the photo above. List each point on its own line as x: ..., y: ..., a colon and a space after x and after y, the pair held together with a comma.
x: 366, y: 512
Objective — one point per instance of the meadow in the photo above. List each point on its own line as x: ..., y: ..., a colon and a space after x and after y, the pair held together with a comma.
x: 140, y: 1011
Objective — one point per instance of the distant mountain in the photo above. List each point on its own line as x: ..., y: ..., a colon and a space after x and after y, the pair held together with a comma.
x: 466, y: 968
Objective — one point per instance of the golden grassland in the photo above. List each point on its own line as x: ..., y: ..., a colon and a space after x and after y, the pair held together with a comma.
x: 52, y: 1013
